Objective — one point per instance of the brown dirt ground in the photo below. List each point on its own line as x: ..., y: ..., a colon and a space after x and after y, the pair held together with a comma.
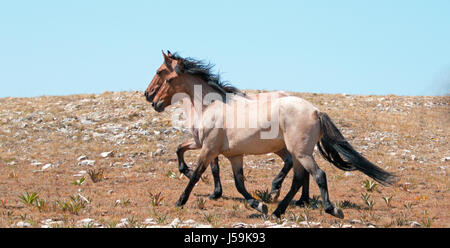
x: 405, y: 135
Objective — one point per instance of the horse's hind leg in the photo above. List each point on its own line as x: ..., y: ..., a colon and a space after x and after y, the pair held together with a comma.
x: 299, y: 174
x: 276, y: 183
x: 237, y: 165
x: 319, y: 175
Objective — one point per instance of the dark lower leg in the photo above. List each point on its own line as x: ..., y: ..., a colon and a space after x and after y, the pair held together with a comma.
x: 296, y: 184
x: 192, y: 181
x: 216, y: 175
x: 182, y: 166
x: 327, y: 205
x: 239, y: 182
x: 304, y: 198
x: 277, y: 182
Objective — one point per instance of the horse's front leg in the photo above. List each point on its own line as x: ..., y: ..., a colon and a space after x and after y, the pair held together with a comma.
x: 237, y: 165
x: 204, y: 159
x: 184, y: 169
x: 181, y: 149
x: 216, y: 175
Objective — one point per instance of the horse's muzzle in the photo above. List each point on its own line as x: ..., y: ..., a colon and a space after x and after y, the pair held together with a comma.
x: 159, y: 106
x: 149, y: 96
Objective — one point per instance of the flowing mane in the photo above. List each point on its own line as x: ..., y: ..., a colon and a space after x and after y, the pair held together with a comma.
x: 203, y: 70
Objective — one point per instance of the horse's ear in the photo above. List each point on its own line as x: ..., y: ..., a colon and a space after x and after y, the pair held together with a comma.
x: 167, y: 60
x: 169, y: 54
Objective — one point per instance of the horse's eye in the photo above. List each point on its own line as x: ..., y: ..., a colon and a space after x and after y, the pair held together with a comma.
x: 158, y: 72
x: 169, y: 80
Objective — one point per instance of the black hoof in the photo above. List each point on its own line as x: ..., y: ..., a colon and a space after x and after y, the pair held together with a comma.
x: 274, y: 195
x: 336, y: 212
x: 302, y: 202
x: 215, y: 195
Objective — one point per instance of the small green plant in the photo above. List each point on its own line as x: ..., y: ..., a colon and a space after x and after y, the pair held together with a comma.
x: 366, y: 198
x: 170, y: 174
x: 41, y: 204
x: 427, y: 222
x: 156, y: 199
x: 96, y: 176
x: 370, y: 204
x: 161, y: 219
x: 201, y: 202
x: 408, y: 205
x: 388, y: 200
x: 28, y: 198
x: 210, y: 218
x: 79, y: 181
x: 73, y: 206
x: 369, y: 185
x: 263, y: 195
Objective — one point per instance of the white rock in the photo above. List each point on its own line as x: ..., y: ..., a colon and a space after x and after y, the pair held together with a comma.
x: 414, y: 223
x: 175, y: 222
x: 445, y: 159
x: 189, y: 222
x: 82, y: 157
x: 48, y: 166
x: 85, y: 221
x: 348, y: 174
x: 239, y: 225
x: 23, y: 224
x: 106, y: 154
x: 149, y: 221
x: 86, y: 162
x: 35, y: 163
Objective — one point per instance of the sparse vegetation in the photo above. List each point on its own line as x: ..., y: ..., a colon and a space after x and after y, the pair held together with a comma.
x: 96, y: 175
x: 29, y: 198
x: 387, y: 130
x: 263, y: 195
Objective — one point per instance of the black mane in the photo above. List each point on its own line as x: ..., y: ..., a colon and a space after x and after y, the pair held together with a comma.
x: 203, y: 70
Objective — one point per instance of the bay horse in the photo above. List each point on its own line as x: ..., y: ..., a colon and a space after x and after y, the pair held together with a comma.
x: 215, y: 169
x: 290, y: 123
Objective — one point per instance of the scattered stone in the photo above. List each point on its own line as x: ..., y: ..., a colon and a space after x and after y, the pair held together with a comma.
x: 189, y: 222
x: 86, y: 162
x: 175, y: 222
x: 23, y: 224
x: 149, y: 221
x: 106, y: 154
x: 414, y: 224
x: 445, y: 159
x: 239, y: 225
x: 82, y: 157
x: 35, y: 163
x: 48, y: 166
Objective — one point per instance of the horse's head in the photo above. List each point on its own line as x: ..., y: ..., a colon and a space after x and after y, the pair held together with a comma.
x: 166, y: 82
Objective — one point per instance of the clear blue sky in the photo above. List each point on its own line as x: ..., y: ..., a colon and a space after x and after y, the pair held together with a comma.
x: 357, y: 47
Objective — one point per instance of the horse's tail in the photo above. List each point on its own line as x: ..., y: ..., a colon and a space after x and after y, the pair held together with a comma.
x: 333, y: 143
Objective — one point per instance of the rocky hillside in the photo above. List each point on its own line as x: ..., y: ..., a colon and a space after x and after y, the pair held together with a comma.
x: 108, y: 160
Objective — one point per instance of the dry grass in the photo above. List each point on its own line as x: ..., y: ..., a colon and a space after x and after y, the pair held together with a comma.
x: 405, y: 135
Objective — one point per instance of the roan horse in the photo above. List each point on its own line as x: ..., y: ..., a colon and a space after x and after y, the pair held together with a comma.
x: 192, y: 145
x: 298, y: 127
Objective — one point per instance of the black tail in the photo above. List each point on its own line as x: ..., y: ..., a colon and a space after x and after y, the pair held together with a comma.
x: 333, y: 143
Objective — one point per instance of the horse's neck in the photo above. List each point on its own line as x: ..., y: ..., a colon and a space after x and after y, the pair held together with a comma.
x: 194, y: 104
